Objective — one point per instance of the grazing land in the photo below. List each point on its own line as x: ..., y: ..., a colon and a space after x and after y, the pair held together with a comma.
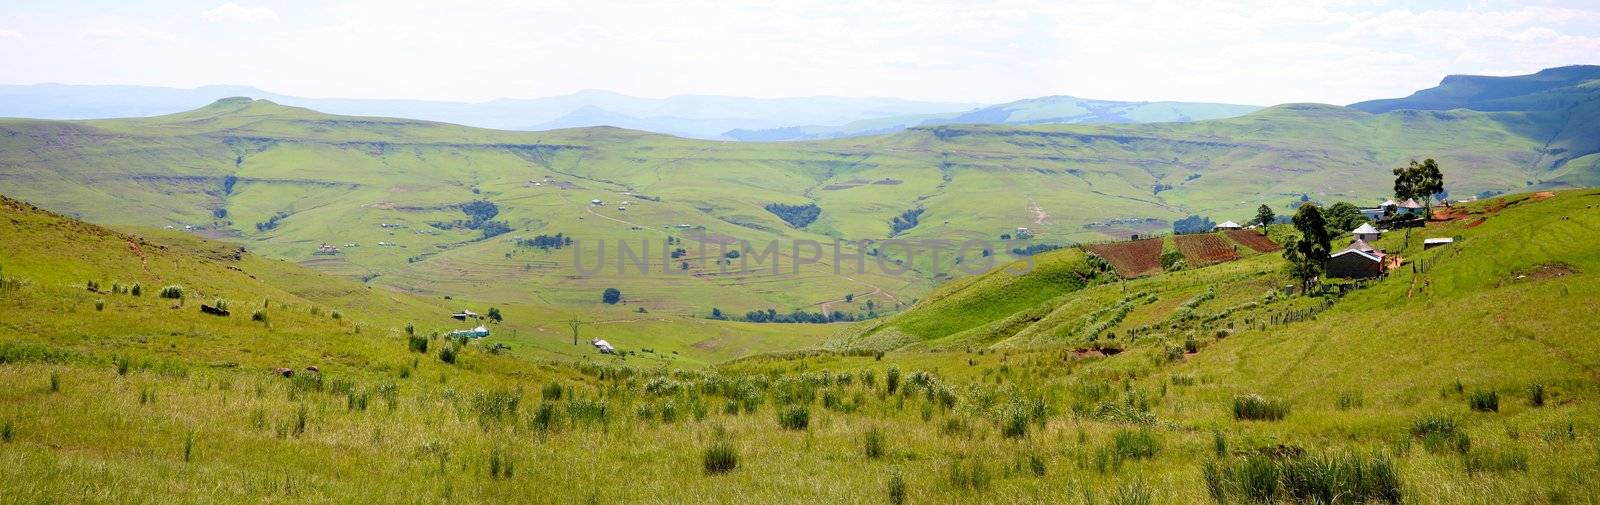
x: 1183, y: 387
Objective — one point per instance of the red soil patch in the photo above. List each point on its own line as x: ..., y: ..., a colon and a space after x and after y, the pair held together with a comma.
x: 1131, y: 259
x: 1255, y: 240
x: 1543, y: 195
x: 1475, y: 224
x: 1206, y: 249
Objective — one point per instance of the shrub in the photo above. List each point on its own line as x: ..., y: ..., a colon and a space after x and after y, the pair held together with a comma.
x: 1496, y: 460
x: 1257, y: 408
x: 136, y: 290
x: 1484, y: 401
x: 1536, y: 395
x: 544, y: 418
x: 891, y: 379
x: 6, y: 432
x: 259, y: 316
x: 174, y: 292
x: 794, y: 417
x: 447, y: 354
x: 222, y: 304
x: 1141, y: 444
x: 720, y: 457
x: 873, y: 443
x: 897, y: 489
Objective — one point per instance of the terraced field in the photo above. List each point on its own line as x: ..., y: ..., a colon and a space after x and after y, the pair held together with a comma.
x: 1255, y: 240
x: 1131, y: 258
x: 1205, y: 249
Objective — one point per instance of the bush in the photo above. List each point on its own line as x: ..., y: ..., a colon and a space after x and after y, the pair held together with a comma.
x: 136, y: 290
x: 1131, y: 444
x: 720, y: 457
x: 873, y: 443
x: 6, y: 432
x: 1484, y: 401
x: 174, y: 292
x: 447, y: 354
x: 99, y: 305
x: 1496, y: 460
x: 1257, y: 408
x: 260, y: 316
x: 891, y: 380
x: 794, y: 417
x: 222, y: 304
x: 1536, y: 395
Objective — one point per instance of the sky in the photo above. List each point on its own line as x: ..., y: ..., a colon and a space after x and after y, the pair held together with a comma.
x: 1232, y: 51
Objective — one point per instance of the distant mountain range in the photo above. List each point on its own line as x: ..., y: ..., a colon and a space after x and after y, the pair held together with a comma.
x: 692, y: 116
x: 1044, y: 110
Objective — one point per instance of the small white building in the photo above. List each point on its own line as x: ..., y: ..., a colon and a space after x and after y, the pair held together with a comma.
x: 603, y: 346
x: 1229, y: 225
x: 1366, y: 233
x: 1430, y: 243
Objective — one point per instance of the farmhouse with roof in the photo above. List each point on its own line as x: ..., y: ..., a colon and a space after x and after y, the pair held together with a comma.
x: 1228, y: 225
x: 1359, y: 261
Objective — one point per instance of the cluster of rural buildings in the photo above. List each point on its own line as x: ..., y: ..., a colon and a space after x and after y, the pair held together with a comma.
x: 1360, y: 260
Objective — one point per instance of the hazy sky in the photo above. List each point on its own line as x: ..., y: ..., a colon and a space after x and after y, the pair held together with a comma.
x: 964, y: 50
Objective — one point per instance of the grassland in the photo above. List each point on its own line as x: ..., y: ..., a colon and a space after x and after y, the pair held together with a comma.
x: 1066, y: 384
x: 284, y: 180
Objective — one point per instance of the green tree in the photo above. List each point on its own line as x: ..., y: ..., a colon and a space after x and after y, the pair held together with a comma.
x: 1420, y: 181
x: 1264, y: 215
x: 611, y: 296
x: 1343, y: 217
x: 1308, y: 255
x: 494, y: 314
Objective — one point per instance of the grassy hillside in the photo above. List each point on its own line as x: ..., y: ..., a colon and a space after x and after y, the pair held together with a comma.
x: 1471, y: 379
x: 286, y: 180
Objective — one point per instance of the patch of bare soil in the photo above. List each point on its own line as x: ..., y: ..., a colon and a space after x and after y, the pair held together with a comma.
x: 1542, y: 272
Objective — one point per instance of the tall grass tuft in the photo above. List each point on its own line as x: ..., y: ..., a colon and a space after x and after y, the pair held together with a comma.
x: 897, y: 489
x: 1130, y: 444
x: 1133, y: 493
x: 447, y: 354
x: 188, y: 447
x: 794, y: 417
x: 1331, y: 479
x: 872, y: 443
x: 1440, y: 433
x: 973, y: 476
x: 259, y: 315
x: 173, y: 292
x: 721, y: 456
x: 1495, y: 460
x: 1484, y: 401
x: 417, y: 344
x: 6, y: 431
x: 1350, y: 400
x: 1536, y: 395
x: 99, y: 305
x: 55, y: 382
x: 551, y: 392
x: 1257, y: 408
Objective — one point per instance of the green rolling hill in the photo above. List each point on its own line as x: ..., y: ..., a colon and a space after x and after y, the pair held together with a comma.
x: 286, y: 180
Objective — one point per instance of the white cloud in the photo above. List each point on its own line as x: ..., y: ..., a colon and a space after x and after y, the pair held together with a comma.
x: 10, y: 34
x: 234, y: 12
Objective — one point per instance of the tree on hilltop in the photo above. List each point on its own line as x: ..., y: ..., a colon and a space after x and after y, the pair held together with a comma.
x: 1419, y: 181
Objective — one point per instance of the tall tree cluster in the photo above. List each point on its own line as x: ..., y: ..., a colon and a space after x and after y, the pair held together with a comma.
x: 1419, y: 180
